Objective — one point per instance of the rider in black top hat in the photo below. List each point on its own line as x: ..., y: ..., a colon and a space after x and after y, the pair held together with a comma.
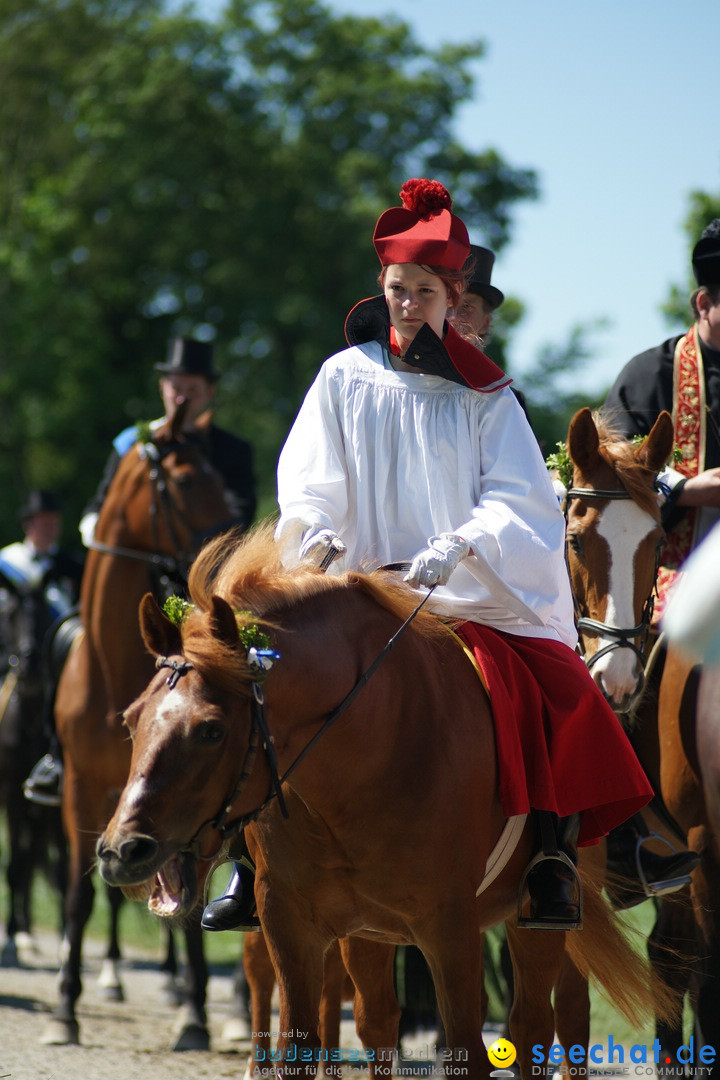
x: 188, y: 373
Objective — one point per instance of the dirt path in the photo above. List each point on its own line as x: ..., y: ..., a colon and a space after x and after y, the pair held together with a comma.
x: 128, y: 1040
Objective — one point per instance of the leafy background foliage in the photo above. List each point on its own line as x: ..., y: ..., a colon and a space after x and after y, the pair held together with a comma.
x: 161, y: 174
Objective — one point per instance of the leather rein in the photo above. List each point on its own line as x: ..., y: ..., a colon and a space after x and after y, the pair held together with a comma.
x: 622, y: 637
x: 260, y: 734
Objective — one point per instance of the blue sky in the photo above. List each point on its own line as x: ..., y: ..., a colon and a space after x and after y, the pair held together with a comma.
x: 612, y: 103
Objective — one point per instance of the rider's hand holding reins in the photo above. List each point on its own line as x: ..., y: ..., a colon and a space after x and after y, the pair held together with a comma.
x: 435, y: 565
x: 320, y: 546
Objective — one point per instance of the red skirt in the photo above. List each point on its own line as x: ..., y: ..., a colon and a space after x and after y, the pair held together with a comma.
x: 560, y: 746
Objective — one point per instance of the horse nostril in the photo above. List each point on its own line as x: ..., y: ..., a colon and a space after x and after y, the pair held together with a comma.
x: 137, y: 849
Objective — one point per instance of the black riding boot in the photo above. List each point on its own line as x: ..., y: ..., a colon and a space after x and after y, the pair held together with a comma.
x: 552, y: 880
x: 235, y: 909
x: 645, y: 872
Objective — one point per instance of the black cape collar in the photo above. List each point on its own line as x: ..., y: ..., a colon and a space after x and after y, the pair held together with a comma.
x: 451, y: 358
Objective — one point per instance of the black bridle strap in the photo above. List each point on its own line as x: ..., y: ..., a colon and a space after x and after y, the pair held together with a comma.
x: 164, y: 562
x: 597, y: 493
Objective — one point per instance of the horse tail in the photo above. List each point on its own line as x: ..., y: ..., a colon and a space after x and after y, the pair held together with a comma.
x: 608, y: 950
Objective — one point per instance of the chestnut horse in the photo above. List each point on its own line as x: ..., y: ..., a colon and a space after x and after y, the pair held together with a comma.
x: 614, y: 539
x: 163, y: 500
x: 391, y: 799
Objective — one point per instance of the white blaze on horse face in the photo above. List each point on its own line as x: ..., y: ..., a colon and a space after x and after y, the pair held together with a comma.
x: 174, y: 702
x: 623, y: 526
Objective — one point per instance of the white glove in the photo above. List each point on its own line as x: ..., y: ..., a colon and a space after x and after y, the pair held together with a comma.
x: 320, y: 546
x: 87, y: 528
x: 435, y: 565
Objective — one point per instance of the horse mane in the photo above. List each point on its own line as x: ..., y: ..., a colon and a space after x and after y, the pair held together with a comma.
x: 618, y: 452
x: 248, y: 573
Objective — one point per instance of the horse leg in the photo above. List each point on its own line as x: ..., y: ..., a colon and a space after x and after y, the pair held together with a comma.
x: 335, y: 976
x: 63, y: 1027
x: 572, y: 1013
x: 705, y: 890
x: 537, y: 957
x: 19, y: 870
x: 377, y: 1013
x: 673, y: 931
x: 171, y: 990
x: 109, y: 979
x: 238, y: 1026
x: 191, y: 1029
x: 260, y: 975
x: 458, y: 979
x: 297, y: 948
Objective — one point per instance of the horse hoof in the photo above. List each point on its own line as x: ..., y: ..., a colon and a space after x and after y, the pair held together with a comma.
x: 61, y: 1033
x: 25, y: 942
x: 237, y: 1029
x: 9, y: 956
x: 112, y: 993
x: 192, y: 1037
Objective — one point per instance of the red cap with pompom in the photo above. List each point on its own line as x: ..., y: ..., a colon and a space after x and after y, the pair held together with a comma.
x: 423, y: 230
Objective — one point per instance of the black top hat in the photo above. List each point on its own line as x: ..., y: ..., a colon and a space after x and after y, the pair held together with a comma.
x: 706, y: 255
x: 186, y: 356
x: 40, y: 502
x: 481, y: 273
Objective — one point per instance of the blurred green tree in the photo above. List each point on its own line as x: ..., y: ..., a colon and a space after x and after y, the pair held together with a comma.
x: 164, y: 174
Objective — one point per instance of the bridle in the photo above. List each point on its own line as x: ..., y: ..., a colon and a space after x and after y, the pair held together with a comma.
x: 162, y: 508
x: 260, y: 733
x: 621, y: 637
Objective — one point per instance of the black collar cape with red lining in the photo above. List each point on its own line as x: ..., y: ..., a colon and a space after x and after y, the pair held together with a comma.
x: 451, y: 358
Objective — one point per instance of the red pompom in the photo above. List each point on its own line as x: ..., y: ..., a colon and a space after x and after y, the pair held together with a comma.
x: 425, y: 197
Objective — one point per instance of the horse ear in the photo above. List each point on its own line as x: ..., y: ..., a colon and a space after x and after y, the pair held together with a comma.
x: 171, y: 428
x: 583, y: 441
x: 223, y: 622
x: 655, y: 451
x: 176, y: 420
x: 161, y: 636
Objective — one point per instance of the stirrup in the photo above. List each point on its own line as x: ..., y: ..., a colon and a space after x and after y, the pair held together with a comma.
x: 531, y: 922
x: 44, y: 785
x: 658, y: 888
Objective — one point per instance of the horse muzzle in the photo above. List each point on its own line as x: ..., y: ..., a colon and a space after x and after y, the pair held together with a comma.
x: 146, y: 870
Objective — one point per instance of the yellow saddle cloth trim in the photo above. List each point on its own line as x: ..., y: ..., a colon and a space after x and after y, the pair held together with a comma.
x: 471, y: 657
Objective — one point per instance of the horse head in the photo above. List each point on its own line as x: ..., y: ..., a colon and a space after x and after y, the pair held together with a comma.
x: 191, y: 730
x: 165, y: 499
x: 614, y: 535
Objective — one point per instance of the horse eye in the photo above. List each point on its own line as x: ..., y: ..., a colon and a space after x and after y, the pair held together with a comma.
x: 208, y: 733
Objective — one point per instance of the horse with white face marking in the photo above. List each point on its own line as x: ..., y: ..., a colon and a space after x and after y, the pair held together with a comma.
x: 613, y: 538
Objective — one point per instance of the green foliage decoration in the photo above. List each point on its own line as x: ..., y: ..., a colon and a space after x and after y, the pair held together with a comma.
x: 250, y: 633
x: 176, y: 609
x: 561, y: 463
x: 251, y: 636
x: 144, y: 431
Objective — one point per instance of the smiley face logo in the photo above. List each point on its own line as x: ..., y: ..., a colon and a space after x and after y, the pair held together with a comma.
x: 502, y: 1054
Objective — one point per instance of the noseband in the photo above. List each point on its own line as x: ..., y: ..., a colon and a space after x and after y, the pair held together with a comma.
x: 621, y: 637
